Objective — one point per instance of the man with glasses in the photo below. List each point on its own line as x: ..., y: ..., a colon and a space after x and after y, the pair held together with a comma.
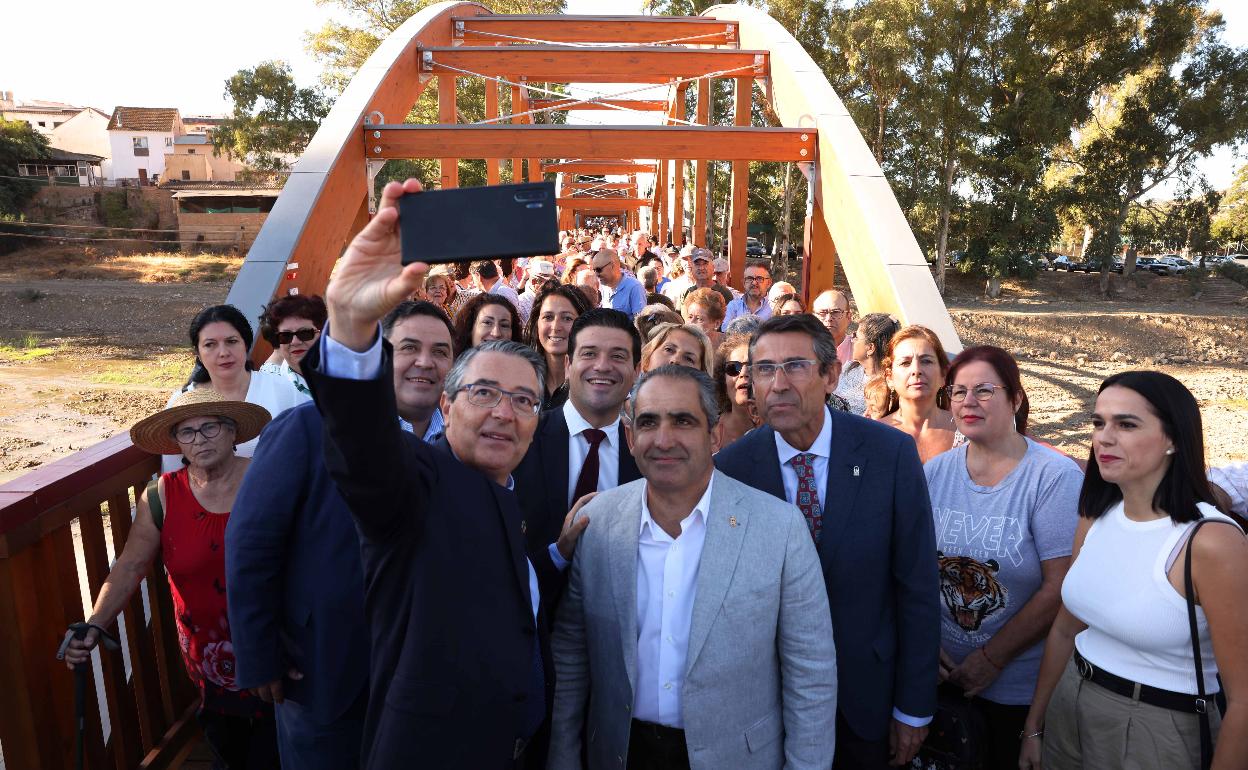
x: 627, y: 294
x: 460, y: 668
x: 832, y: 309
x: 754, y: 301
x: 862, y: 490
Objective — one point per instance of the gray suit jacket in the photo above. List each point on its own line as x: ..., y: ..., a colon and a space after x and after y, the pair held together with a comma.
x: 760, y: 682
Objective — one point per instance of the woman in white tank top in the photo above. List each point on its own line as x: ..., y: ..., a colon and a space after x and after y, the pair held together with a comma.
x: 1117, y: 686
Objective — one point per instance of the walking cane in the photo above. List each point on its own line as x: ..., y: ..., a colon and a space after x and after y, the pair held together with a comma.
x: 81, y: 673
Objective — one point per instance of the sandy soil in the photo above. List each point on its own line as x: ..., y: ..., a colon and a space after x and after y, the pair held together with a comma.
x: 84, y: 358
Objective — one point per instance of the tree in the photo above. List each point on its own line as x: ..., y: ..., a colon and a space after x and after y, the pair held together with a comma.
x: 18, y: 142
x: 1230, y: 224
x: 1148, y: 129
x: 272, y: 121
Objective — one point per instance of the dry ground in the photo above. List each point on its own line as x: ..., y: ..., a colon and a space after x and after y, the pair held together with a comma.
x: 90, y: 344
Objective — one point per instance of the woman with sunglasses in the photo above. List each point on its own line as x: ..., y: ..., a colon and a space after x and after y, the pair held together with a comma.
x: 737, y: 415
x: 292, y: 325
x: 1005, y: 509
x: 221, y: 338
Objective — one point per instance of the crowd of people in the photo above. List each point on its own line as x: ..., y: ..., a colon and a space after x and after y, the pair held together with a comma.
x: 602, y: 510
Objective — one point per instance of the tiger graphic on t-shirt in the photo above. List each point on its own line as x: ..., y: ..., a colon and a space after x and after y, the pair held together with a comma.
x: 970, y: 589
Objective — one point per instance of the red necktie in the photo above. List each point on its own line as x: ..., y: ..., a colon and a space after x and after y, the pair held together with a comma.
x: 588, y: 480
x: 808, y: 493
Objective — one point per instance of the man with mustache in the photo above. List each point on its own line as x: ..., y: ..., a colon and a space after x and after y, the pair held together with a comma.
x: 296, y: 599
x: 694, y: 631
x: 864, y: 495
x: 580, y: 448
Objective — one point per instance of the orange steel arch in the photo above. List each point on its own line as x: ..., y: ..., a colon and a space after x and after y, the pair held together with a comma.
x: 853, y: 219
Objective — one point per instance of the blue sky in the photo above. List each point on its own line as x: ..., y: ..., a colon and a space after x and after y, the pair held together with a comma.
x: 176, y: 54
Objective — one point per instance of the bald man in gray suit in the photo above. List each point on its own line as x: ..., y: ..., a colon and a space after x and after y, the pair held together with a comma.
x: 695, y: 630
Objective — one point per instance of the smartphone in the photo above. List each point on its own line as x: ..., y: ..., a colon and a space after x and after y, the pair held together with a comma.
x: 465, y: 223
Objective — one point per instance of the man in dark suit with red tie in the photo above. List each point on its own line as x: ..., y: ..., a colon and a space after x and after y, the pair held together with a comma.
x: 580, y: 448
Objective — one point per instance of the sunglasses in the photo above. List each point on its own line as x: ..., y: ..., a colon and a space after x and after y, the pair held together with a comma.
x: 734, y: 368
x: 305, y: 335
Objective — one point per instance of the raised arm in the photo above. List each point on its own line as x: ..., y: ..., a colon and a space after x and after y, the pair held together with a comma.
x: 129, y: 570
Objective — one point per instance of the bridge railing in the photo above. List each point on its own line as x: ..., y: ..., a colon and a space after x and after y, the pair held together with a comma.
x: 60, y: 528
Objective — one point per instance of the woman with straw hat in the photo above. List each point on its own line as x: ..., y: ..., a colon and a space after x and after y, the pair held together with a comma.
x: 182, y: 517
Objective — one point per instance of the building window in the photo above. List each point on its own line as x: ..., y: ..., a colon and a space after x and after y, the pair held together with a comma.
x: 168, y: 141
x: 140, y: 145
x: 57, y: 123
x: 191, y: 151
x: 186, y: 176
x: 43, y: 123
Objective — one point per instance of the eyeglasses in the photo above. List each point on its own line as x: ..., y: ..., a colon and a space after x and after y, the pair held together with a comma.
x: 826, y: 314
x: 488, y: 397
x: 982, y: 392
x: 208, y: 430
x: 734, y: 368
x: 798, y: 371
x: 756, y: 279
x: 305, y: 335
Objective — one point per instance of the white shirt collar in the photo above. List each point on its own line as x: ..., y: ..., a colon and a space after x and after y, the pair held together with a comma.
x: 577, y: 423
x: 700, y: 511
x: 821, y: 448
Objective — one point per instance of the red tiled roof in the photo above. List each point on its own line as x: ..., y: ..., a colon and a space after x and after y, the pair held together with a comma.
x: 143, y: 118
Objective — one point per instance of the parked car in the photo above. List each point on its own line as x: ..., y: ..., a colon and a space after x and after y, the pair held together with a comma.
x: 1062, y: 262
x: 1145, y: 264
x: 1172, y: 265
x: 754, y: 248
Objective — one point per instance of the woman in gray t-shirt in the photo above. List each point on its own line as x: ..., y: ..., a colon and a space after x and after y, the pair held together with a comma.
x: 1005, y: 512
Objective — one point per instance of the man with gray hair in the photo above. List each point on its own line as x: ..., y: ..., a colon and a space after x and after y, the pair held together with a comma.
x: 694, y: 631
x: 460, y: 668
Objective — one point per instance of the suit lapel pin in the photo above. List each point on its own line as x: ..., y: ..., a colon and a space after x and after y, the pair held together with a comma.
x: 732, y: 521
x: 856, y: 472
x: 524, y: 525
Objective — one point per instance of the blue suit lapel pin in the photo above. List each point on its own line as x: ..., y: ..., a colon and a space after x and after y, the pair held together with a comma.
x: 856, y: 472
x: 732, y: 521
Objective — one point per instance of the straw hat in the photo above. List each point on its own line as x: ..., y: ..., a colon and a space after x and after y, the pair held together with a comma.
x: 154, y: 434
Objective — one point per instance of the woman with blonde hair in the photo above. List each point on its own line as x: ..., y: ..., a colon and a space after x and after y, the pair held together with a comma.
x: 683, y: 344
x: 705, y: 309
x: 915, y: 369
x: 440, y: 289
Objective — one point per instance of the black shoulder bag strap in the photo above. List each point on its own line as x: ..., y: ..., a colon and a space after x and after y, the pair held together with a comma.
x: 1202, y: 704
x: 154, y: 504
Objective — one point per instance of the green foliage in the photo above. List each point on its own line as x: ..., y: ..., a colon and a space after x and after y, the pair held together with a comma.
x: 18, y: 142
x: 1230, y: 223
x: 272, y: 121
x: 1234, y: 271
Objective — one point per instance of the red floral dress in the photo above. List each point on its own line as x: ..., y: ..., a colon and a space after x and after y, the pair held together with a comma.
x: 192, y: 542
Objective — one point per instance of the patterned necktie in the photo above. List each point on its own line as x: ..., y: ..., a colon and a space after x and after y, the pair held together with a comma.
x: 808, y: 493
x: 588, y: 480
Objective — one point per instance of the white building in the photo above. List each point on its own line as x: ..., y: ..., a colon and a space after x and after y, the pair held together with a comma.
x: 86, y: 132
x: 138, y: 139
x: 43, y: 116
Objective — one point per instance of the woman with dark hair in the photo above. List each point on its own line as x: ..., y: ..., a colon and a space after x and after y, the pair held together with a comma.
x: 292, y: 325
x: 875, y: 331
x: 1152, y: 612
x: 486, y: 317
x: 737, y: 415
x: 1005, y: 513
x: 221, y: 338
x: 557, y: 306
x: 915, y: 368
x: 787, y: 303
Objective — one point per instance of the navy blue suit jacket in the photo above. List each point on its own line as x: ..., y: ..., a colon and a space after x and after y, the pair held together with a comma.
x: 878, y: 552
x: 293, y: 575
x: 542, y: 480
x: 446, y: 585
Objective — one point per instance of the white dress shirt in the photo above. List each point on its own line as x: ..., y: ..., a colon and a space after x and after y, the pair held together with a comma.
x: 338, y: 360
x: 822, y: 450
x: 578, y: 450
x: 667, y: 575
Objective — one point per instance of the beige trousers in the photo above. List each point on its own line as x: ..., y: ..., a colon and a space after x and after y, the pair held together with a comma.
x: 1087, y: 726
